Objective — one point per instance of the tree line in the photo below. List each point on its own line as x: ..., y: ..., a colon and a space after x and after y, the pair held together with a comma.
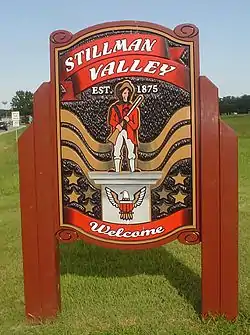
x: 230, y: 104
x: 23, y: 102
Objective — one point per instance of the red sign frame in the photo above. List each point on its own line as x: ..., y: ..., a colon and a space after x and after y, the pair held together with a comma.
x: 189, y: 37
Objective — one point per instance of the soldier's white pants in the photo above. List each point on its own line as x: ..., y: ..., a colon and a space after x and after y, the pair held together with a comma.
x: 123, y: 137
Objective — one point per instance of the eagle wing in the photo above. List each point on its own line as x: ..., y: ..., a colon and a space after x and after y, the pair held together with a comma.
x: 139, y: 196
x: 112, y: 196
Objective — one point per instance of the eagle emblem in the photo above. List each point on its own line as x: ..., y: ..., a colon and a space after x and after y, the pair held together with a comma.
x: 126, y: 205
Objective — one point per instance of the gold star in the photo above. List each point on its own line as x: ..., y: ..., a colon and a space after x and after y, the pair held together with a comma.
x: 88, y: 207
x: 179, y: 179
x: 89, y: 193
x: 179, y: 197
x: 74, y: 196
x: 164, y: 207
x: 73, y: 178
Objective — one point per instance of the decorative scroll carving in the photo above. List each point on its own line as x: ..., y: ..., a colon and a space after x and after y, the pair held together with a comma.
x: 189, y: 237
x: 61, y: 36
x: 186, y: 30
x: 67, y: 235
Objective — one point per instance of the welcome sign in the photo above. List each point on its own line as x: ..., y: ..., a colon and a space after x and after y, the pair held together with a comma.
x: 127, y: 150
x: 126, y: 122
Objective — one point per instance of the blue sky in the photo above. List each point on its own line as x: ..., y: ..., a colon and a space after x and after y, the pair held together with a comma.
x: 25, y: 27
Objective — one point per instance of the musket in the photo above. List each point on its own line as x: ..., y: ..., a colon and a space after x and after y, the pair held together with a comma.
x: 112, y: 137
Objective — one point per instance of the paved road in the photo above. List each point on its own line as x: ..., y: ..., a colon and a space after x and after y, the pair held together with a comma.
x: 10, y: 130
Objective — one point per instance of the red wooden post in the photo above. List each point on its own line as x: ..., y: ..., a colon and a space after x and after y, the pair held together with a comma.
x: 219, y: 209
x: 210, y: 197
x: 39, y: 211
x: 229, y: 221
x: 33, y: 303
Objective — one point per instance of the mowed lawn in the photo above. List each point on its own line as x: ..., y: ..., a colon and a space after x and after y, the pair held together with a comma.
x: 110, y: 292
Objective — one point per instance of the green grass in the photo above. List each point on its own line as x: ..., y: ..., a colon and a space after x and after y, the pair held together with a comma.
x: 109, y: 292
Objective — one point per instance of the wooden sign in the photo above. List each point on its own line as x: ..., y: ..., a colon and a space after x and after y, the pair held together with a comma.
x: 134, y: 156
x: 126, y: 120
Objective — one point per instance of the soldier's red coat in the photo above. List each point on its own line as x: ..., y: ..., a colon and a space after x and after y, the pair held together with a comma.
x: 131, y: 126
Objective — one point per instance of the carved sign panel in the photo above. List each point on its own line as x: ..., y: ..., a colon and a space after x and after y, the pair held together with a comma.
x: 126, y: 136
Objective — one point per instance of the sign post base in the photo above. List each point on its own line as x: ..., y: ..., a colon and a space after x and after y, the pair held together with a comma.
x: 39, y: 213
x: 219, y: 208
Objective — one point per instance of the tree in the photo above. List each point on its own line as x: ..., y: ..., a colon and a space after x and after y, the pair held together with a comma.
x: 23, y: 102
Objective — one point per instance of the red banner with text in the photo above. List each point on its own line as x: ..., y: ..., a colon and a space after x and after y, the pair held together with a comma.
x: 127, y: 233
x: 121, y: 55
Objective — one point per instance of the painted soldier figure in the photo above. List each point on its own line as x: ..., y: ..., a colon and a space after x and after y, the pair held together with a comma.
x: 126, y: 121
